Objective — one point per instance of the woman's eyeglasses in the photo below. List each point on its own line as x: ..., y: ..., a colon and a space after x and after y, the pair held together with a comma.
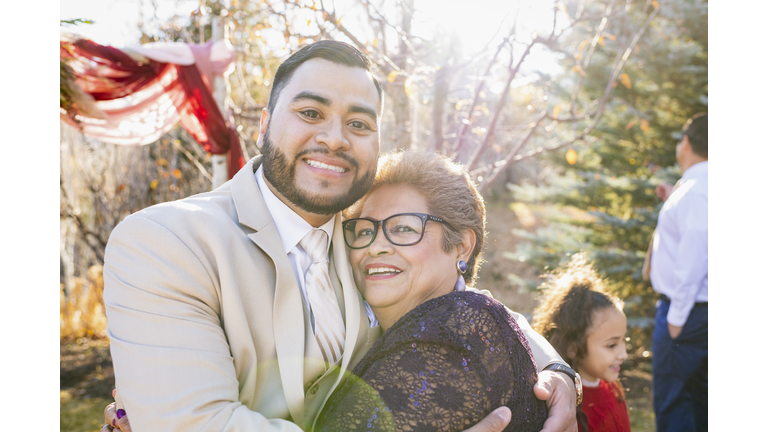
x: 405, y: 229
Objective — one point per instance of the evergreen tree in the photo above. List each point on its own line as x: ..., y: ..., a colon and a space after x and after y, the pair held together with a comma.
x: 603, y: 201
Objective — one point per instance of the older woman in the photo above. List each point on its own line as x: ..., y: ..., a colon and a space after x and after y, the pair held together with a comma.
x: 448, y: 356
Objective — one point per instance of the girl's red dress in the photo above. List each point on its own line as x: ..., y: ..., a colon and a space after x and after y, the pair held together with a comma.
x: 605, y: 408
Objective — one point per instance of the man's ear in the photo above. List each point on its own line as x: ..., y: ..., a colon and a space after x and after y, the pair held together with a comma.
x: 467, y: 245
x: 263, y: 127
x: 685, y: 143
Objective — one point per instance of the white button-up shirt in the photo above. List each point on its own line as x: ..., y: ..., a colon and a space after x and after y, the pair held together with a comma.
x: 679, y: 260
x: 292, y: 228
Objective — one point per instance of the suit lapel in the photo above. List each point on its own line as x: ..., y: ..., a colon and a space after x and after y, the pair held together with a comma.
x: 355, y: 318
x: 288, y: 318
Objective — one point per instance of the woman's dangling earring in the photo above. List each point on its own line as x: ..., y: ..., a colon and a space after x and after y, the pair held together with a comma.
x: 460, y: 284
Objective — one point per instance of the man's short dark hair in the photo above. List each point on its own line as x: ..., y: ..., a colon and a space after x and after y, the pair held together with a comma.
x: 333, y: 51
x: 696, y: 131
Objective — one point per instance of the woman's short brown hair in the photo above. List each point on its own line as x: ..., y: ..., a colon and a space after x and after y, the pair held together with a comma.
x: 448, y: 191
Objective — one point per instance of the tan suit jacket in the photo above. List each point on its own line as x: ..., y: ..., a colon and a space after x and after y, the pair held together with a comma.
x: 206, y: 321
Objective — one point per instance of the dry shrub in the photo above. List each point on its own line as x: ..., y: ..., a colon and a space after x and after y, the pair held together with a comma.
x: 82, y: 315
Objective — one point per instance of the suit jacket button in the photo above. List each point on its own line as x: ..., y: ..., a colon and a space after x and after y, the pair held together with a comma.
x: 313, y: 390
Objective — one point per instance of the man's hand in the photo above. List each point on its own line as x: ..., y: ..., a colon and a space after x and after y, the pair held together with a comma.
x: 664, y: 190
x: 496, y: 421
x: 558, y: 390
x: 555, y: 388
x: 674, y: 331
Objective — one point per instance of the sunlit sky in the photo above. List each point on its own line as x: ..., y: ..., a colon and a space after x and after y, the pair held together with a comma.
x: 116, y: 22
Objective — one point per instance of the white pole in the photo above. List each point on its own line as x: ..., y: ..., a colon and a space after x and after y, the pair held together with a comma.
x: 220, y: 92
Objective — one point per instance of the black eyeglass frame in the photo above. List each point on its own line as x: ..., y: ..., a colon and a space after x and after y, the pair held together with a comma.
x: 380, y: 223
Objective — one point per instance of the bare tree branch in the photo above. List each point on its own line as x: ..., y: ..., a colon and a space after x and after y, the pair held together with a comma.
x: 497, y: 113
x: 380, y: 58
x: 249, y: 116
x: 539, y: 150
x: 512, y: 74
x: 513, y: 157
x: 468, y: 120
x: 580, y: 9
x: 81, y: 226
x: 194, y: 160
x: 244, y: 86
x: 502, y: 165
x: 632, y: 108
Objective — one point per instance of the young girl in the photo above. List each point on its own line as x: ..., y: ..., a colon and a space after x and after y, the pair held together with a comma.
x: 587, y: 327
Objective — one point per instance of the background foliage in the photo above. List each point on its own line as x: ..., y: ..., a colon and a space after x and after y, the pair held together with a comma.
x: 604, y: 202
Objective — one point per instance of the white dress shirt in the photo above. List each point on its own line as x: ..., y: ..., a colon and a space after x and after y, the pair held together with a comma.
x: 292, y: 228
x: 679, y: 262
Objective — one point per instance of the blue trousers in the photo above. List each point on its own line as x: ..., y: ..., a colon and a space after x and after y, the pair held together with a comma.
x: 680, y: 372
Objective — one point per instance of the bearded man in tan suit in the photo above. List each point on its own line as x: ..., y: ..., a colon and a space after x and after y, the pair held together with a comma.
x: 211, y: 324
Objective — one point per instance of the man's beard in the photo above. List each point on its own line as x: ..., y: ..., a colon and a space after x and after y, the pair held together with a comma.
x: 282, y: 176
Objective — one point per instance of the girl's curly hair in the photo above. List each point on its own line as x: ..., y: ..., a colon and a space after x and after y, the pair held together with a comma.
x: 571, y: 296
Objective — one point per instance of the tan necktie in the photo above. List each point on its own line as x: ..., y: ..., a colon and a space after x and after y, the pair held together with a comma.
x: 647, y: 263
x: 324, y: 307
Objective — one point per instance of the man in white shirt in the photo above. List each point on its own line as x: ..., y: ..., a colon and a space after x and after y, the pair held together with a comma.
x: 214, y: 320
x: 679, y: 273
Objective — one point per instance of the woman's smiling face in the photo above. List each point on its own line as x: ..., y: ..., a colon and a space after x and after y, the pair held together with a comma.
x: 412, y: 274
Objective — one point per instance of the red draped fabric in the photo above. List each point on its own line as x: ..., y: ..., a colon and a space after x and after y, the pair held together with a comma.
x: 136, y: 102
x: 111, y: 74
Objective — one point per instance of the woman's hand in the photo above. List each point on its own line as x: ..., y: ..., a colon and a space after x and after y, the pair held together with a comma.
x: 115, y: 419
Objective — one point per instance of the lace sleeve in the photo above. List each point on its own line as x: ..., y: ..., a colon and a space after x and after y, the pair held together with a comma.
x: 443, y: 366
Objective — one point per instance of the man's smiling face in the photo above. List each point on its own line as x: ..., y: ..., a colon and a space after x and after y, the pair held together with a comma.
x: 321, y: 141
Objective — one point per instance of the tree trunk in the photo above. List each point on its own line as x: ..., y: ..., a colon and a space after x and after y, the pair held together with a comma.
x: 67, y: 229
x: 442, y: 79
x: 220, y: 91
x: 401, y: 103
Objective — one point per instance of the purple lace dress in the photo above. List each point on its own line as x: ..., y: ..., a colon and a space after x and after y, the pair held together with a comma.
x: 443, y: 366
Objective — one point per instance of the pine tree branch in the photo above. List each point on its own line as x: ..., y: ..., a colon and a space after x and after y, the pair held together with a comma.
x: 588, y: 58
x: 621, y: 59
